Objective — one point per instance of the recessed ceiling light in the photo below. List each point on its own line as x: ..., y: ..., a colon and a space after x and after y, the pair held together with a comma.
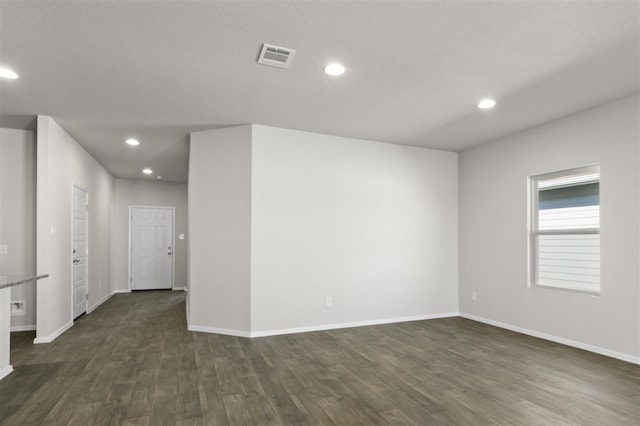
x: 7, y: 73
x: 334, y: 69
x: 158, y: 177
x: 147, y: 171
x: 132, y: 142
x: 486, y: 104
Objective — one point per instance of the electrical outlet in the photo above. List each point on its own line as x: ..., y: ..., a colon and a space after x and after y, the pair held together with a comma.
x: 3, y: 249
x: 328, y: 302
x: 17, y: 307
x: 474, y: 296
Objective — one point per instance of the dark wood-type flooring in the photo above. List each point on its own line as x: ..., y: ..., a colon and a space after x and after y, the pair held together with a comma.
x: 132, y: 361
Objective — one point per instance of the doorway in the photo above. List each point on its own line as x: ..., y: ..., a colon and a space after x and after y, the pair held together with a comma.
x: 79, y: 238
x: 151, y: 248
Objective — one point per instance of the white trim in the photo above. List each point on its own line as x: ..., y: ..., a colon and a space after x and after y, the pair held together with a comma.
x: 596, y: 349
x: 50, y: 338
x: 186, y: 303
x: 179, y: 289
x: 187, y: 313
x: 17, y: 328
x: 121, y: 291
x: 5, y: 371
x: 213, y: 330
x: 129, y: 249
x: 323, y: 327
x: 100, y: 302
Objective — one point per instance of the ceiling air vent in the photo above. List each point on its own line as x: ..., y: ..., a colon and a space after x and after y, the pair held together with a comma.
x: 276, y: 56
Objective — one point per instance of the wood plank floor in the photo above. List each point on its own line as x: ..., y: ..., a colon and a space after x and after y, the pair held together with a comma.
x: 132, y: 362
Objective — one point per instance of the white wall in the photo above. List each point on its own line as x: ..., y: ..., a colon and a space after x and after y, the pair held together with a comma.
x: 493, y: 230
x: 283, y: 219
x: 146, y: 193
x: 371, y: 225
x: 219, y: 230
x: 18, y: 217
x: 61, y: 163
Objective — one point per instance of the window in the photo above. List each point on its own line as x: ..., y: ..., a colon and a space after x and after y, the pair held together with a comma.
x: 565, y: 229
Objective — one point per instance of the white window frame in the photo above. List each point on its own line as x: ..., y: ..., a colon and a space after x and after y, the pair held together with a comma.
x: 534, y: 223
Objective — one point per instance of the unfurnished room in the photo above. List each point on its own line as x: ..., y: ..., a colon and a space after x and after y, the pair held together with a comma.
x: 319, y: 212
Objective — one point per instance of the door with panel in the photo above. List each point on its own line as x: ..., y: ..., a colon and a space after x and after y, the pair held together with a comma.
x: 79, y: 251
x: 151, y: 234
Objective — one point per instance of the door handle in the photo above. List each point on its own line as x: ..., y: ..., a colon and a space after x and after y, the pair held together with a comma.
x: 169, y: 253
x: 76, y: 260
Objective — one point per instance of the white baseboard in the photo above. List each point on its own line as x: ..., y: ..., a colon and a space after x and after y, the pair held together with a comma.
x: 213, y: 330
x: 179, y: 289
x: 50, y: 338
x: 122, y: 291
x: 323, y: 327
x: 100, y: 302
x: 337, y: 326
x: 5, y: 371
x: 16, y: 328
x: 596, y: 349
x: 186, y: 303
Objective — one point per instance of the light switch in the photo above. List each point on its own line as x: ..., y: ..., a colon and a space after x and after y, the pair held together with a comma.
x: 3, y: 249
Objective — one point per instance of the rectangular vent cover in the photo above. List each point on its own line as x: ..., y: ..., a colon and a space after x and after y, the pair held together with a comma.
x: 276, y: 56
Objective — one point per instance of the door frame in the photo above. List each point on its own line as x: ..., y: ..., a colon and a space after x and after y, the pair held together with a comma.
x: 173, y: 241
x: 86, y: 255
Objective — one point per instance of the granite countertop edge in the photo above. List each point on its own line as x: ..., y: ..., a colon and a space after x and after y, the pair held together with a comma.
x: 14, y: 280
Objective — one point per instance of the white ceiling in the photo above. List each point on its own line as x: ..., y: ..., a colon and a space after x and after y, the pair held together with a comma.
x: 415, y: 70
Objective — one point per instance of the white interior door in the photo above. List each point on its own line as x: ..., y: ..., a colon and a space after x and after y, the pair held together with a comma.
x: 151, y: 248
x: 79, y: 251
